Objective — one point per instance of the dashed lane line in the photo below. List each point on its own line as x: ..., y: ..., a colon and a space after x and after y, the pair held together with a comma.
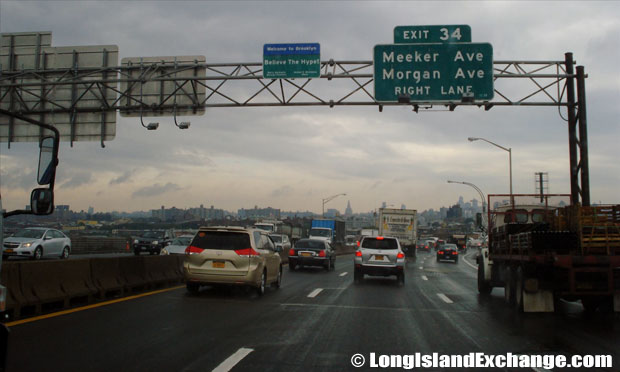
x: 343, y: 274
x: 232, y: 360
x: 424, y: 277
x: 444, y: 298
x: 315, y: 292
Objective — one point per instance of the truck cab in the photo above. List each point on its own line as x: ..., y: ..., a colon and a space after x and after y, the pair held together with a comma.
x: 321, y: 233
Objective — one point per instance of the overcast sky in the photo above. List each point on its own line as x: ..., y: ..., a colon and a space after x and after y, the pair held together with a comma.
x: 292, y: 157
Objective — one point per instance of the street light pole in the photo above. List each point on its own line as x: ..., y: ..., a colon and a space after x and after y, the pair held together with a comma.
x: 472, y: 139
x: 477, y: 189
x: 328, y: 199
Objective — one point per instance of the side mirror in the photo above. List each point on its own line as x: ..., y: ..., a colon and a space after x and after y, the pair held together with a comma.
x: 47, y: 163
x: 277, y: 249
x: 42, y: 201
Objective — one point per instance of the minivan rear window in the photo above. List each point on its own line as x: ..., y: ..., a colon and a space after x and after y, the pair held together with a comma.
x: 373, y: 243
x: 223, y: 240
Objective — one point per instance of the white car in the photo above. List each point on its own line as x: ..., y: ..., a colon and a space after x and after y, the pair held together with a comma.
x: 178, y: 245
x: 281, y: 241
x: 36, y: 243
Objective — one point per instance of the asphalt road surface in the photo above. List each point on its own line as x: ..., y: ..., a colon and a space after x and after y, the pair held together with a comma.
x: 317, y: 320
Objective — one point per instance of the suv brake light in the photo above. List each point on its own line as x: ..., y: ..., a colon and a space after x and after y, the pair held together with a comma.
x: 379, y: 238
x: 248, y: 252
x: 400, y: 255
x: 322, y: 254
x: 291, y: 252
x: 358, y: 253
x: 193, y: 250
x: 455, y: 252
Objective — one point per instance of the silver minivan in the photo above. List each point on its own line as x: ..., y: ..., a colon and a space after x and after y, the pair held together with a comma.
x: 379, y: 256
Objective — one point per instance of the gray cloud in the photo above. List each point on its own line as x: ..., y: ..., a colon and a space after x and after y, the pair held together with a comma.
x: 282, y: 191
x: 239, y: 155
x: 125, y: 177
x: 77, y: 180
x: 155, y: 190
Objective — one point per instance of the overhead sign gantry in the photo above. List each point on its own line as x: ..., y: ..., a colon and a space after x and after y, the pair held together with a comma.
x: 81, y: 97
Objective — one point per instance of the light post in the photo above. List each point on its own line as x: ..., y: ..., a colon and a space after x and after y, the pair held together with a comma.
x: 472, y: 139
x: 328, y: 199
x: 479, y: 192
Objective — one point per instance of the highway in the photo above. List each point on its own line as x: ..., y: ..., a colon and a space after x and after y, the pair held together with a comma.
x: 317, y: 320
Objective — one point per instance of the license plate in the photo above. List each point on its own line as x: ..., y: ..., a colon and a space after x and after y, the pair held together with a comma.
x: 378, y: 257
x: 219, y: 264
x: 306, y: 254
x: 8, y: 250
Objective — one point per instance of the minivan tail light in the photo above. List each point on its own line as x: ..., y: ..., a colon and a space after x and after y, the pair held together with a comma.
x: 193, y: 250
x: 322, y: 254
x: 358, y: 253
x: 247, y: 252
x: 400, y: 255
x: 291, y: 252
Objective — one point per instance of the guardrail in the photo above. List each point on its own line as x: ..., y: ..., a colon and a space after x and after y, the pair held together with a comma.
x: 35, y: 288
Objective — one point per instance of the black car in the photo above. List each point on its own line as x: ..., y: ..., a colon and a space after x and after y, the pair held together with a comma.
x: 423, y: 246
x: 311, y: 252
x: 448, y: 252
x: 151, y: 241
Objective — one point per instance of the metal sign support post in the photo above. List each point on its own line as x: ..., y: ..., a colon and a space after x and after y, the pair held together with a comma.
x: 583, y: 137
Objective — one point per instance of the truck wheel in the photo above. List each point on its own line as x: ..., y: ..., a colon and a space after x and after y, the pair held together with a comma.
x: 484, y: 288
x: 518, y: 295
x: 509, y: 286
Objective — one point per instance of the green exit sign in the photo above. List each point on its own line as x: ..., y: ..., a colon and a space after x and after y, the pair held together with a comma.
x: 433, y: 72
x: 432, y: 34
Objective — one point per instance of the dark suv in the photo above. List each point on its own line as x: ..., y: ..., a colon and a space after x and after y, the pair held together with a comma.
x: 152, y: 242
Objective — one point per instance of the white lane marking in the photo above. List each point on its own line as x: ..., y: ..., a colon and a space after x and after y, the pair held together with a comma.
x: 424, y: 277
x: 421, y: 268
x: 467, y: 262
x: 535, y: 369
x: 315, y: 292
x: 232, y: 360
x: 444, y: 298
x: 344, y: 273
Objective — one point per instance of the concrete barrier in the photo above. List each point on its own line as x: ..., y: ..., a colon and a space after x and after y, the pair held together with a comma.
x: 41, y: 283
x: 76, y: 281
x: 36, y: 287
x: 15, y: 300
x: 106, y: 273
x: 133, y: 273
x: 161, y: 270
